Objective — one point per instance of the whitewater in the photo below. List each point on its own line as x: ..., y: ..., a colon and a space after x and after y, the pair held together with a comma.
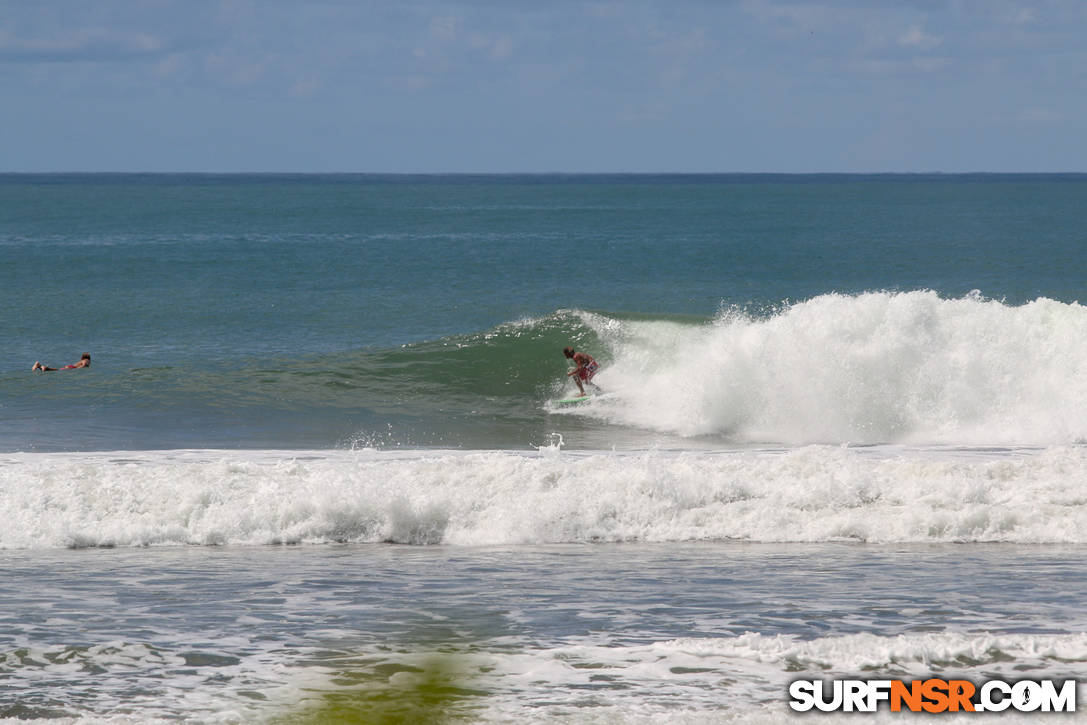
x: 882, y: 494
x: 902, y: 367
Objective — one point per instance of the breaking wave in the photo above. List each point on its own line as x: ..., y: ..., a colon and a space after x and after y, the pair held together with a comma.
x: 810, y: 494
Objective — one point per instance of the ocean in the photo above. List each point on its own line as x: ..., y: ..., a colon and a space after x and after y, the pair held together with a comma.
x: 317, y: 471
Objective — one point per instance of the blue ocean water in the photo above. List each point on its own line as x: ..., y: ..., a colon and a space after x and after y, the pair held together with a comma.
x: 809, y: 384
x: 309, y: 311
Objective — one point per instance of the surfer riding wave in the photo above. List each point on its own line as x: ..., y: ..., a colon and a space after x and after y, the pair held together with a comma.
x: 585, y: 370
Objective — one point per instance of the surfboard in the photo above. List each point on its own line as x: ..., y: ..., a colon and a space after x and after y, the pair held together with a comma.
x: 573, y: 400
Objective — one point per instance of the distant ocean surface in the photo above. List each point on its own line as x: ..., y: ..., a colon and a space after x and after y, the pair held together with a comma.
x: 842, y: 432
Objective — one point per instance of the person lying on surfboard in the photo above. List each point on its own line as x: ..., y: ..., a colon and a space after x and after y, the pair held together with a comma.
x: 585, y: 370
x: 84, y: 362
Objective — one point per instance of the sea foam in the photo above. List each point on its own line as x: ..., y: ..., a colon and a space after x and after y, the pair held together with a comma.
x: 742, y: 678
x: 730, y: 679
x: 811, y: 494
x: 881, y: 367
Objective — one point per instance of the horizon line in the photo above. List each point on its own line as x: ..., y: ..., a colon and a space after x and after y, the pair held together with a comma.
x: 542, y: 173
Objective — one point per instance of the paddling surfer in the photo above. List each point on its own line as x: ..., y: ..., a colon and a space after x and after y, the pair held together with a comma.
x: 84, y: 362
x: 585, y: 370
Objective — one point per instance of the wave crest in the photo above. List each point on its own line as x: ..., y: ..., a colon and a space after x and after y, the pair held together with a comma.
x: 906, y: 367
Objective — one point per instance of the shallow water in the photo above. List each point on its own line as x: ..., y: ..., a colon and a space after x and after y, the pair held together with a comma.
x: 543, y: 632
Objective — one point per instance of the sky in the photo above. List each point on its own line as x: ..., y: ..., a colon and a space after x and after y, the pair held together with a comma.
x: 505, y: 86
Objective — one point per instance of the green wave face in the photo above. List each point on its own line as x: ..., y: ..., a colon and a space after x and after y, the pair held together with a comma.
x: 481, y: 389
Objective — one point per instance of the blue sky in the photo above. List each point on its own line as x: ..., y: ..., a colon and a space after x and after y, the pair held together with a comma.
x: 551, y: 85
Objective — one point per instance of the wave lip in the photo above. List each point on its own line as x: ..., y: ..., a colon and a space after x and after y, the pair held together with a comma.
x: 813, y: 494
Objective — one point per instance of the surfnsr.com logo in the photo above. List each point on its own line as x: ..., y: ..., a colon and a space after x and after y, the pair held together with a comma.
x: 933, y: 695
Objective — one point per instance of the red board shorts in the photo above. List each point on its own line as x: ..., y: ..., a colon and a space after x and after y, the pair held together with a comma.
x: 586, y: 373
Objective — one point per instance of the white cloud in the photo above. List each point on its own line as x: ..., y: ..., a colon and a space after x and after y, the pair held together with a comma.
x: 605, y: 9
x: 444, y: 28
x: 498, y: 47
x: 502, y: 48
x: 1025, y: 16
x: 884, y: 68
x: 234, y: 70
x: 795, y: 18
x: 82, y: 44
x: 306, y: 87
x: 408, y: 82
x: 916, y: 37
x: 170, y: 66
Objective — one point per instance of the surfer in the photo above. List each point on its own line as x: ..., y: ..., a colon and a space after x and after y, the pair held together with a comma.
x: 585, y: 370
x: 84, y: 362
